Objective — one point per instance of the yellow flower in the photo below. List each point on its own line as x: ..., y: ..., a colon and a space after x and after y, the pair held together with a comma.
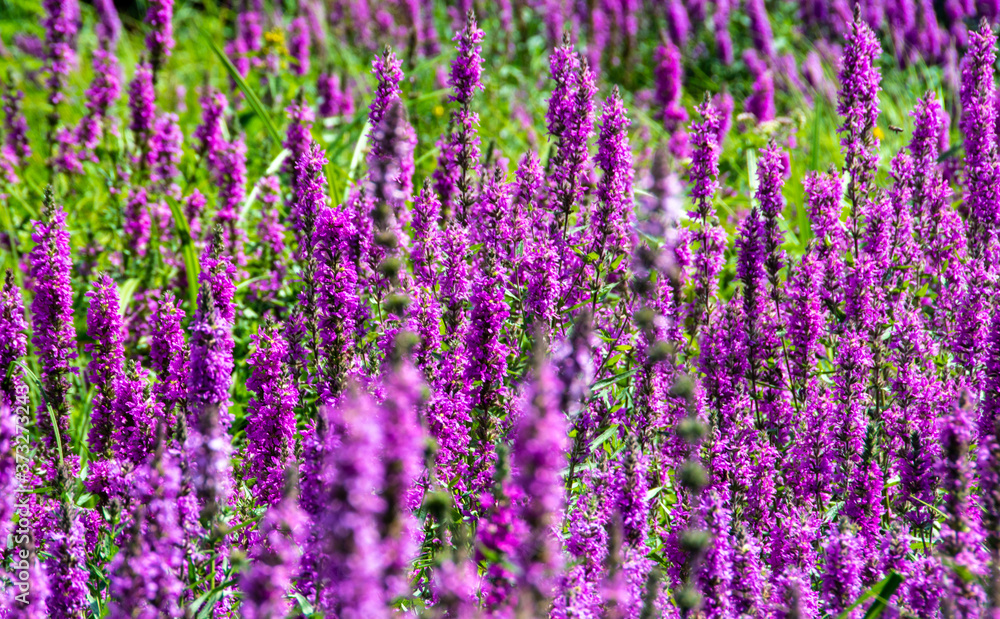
x: 439, y: 110
x: 274, y: 42
x: 878, y: 133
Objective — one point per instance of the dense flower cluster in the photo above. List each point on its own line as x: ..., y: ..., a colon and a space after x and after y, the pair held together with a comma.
x: 389, y: 365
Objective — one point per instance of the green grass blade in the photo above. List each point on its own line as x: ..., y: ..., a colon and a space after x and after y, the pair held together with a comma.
x: 890, y: 585
x: 251, y: 96
x: 191, y: 264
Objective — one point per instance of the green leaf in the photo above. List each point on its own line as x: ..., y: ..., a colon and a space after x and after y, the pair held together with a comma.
x: 191, y: 264
x: 606, y: 382
x: 889, y: 587
x: 251, y: 96
x: 271, y: 169
x: 881, y: 591
x: 304, y: 605
x: 600, y: 440
x: 125, y: 294
x: 359, y: 148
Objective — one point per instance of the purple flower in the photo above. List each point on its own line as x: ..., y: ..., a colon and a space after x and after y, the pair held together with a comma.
x: 270, y: 235
x: 104, y: 325
x: 137, y: 222
x: 458, y: 162
x: 760, y: 103
x: 61, y: 23
x: 426, y: 247
x: 403, y: 445
x: 15, y: 124
x: 298, y: 45
x: 760, y: 28
x: 270, y: 415
x: 679, y: 22
x: 770, y: 181
x: 103, y: 92
x: 134, y: 416
x: 720, y: 21
x: 160, y: 38
x: 961, y: 536
x: 67, y: 566
x: 865, y: 504
x: 274, y: 561
x: 539, y: 455
x: 851, y: 396
x: 100, y: 96
x: 336, y: 301
x: 109, y: 26
x: 668, y: 96
x: 346, y: 543
x: 52, y: 317
x: 390, y: 168
x: 34, y: 605
x: 709, y: 237
x: 613, y: 220
x: 335, y: 100
x: 715, y: 569
x: 208, y: 134
x: 209, y: 382
x: 142, y: 106
x: 570, y: 120
x: 232, y: 182
x: 388, y: 72
x: 168, y: 354
x: 467, y: 68
x: 857, y: 105
x: 978, y: 125
x: 146, y: 573
x: 806, y: 316
x: 841, y: 571
x: 298, y: 138
x: 14, y: 344
x: 487, y: 368
x: 165, y: 154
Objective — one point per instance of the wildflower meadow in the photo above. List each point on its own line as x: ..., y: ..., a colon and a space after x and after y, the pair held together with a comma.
x: 359, y: 309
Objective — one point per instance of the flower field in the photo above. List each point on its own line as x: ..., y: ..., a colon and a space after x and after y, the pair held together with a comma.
x: 532, y: 308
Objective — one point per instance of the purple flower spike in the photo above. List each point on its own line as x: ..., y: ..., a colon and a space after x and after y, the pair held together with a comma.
x: 539, y: 455
x: 613, y: 220
x: 336, y: 301
x: 13, y: 343
x: 298, y: 45
x: 169, y: 357
x: 347, y: 542
x: 61, y: 23
x: 842, y: 571
x: 979, y: 117
x: 160, y: 39
x: 709, y: 237
x: 67, y: 567
x: 668, y: 97
x: 467, y: 68
x: 142, y: 106
x: 274, y: 561
x: 388, y: 72
x: 208, y: 134
x: 270, y: 415
x: 857, y: 104
x: 209, y: 381
x: 135, y: 416
x: 52, y: 316
x: 104, y: 325
x: 145, y: 574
